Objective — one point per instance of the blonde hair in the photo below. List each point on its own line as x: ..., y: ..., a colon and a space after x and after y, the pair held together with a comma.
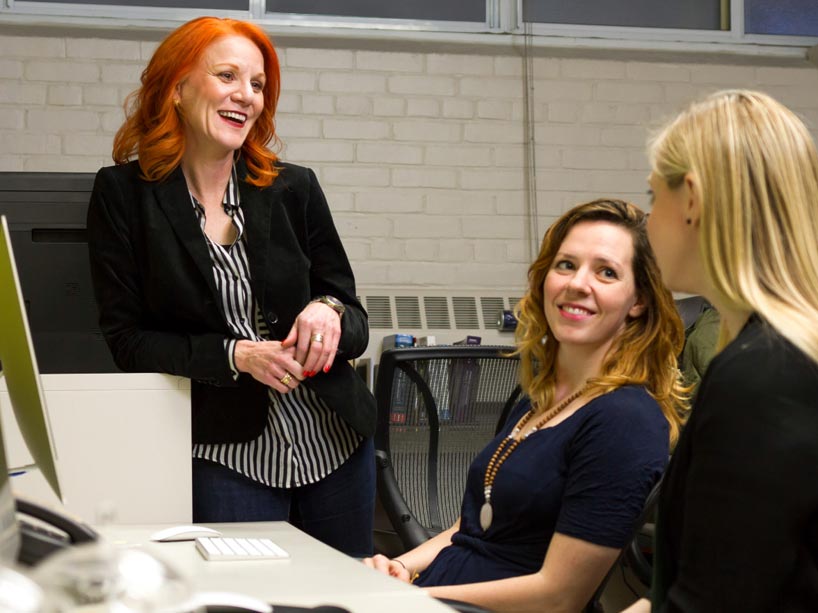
x: 646, y: 350
x: 757, y: 172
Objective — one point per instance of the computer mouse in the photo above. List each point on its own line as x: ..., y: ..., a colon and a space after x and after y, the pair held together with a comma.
x: 183, y: 533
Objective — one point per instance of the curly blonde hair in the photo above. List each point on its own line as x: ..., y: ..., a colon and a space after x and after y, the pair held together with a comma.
x: 645, y: 353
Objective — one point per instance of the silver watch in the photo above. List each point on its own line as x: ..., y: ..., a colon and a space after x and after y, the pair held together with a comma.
x: 333, y: 303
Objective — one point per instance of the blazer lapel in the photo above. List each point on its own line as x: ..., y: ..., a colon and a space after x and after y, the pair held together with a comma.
x: 257, y: 219
x: 174, y: 199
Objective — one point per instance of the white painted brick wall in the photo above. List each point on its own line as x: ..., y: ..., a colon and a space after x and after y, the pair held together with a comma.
x: 387, y: 201
x: 319, y: 104
x: 389, y: 62
x: 64, y: 95
x: 460, y: 202
x: 591, y: 70
x: 37, y: 70
x: 423, y: 107
x: 425, y: 177
x: 98, y: 49
x: 11, y: 69
x: 389, y: 153
x: 353, y: 105
x: 421, y: 155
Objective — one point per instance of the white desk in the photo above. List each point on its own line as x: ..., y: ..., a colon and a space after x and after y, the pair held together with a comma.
x: 314, y: 575
x: 123, y: 446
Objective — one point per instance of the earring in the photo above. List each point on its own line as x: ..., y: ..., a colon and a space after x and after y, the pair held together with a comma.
x: 177, y: 102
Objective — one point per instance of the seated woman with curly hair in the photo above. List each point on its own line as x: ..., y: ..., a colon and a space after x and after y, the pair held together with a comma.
x: 550, y: 502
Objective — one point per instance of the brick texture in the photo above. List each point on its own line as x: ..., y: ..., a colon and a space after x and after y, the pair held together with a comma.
x: 422, y: 156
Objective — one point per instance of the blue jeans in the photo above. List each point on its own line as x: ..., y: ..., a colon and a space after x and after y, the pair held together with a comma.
x: 338, y: 510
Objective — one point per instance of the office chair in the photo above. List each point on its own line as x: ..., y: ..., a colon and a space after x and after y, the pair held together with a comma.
x: 437, y: 408
x: 690, y: 308
x: 636, y: 555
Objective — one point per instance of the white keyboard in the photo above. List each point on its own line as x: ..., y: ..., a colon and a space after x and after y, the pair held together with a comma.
x: 226, y: 548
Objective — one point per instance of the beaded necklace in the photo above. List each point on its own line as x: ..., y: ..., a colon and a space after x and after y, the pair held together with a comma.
x: 507, y: 447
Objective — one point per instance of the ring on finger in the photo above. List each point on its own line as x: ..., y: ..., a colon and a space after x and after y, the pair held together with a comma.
x: 286, y: 379
x: 317, y: 337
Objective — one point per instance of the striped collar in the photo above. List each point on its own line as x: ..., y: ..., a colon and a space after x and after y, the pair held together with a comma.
x: 230, y: 201
x: 230, y: 204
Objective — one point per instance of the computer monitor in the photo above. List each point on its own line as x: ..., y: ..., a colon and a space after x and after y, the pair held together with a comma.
x: 19, y: 366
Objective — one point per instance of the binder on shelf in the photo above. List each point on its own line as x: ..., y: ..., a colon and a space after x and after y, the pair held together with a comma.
x: 465, y: 378
x: 402, y: 390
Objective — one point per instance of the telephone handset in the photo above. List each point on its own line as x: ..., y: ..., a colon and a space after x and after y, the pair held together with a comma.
x: 48, y: 532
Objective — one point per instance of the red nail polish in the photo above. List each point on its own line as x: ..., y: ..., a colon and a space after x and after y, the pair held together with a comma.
x: 306, y: 373
x: 326, y: 368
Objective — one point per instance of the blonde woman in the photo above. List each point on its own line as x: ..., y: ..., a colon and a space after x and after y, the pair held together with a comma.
x: 735, y: 218
x: 551, y: 501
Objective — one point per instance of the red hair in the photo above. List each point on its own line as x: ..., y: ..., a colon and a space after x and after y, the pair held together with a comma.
x: 153, y: 130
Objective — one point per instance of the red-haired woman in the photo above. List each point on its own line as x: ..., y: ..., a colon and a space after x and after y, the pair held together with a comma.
x: 213, y: 260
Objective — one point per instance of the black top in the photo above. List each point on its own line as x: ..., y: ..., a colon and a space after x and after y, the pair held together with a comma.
x: 738, y: 513
x: 160, y: 309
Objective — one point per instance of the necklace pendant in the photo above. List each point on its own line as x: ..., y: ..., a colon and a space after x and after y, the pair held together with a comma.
x: 486, y: 515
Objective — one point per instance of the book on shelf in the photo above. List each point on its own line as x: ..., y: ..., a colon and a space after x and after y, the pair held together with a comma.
x: 463, y: 383
x: 401, y: 386
x: 392, y: 341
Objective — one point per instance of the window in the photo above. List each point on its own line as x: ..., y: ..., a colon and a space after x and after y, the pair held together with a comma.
x: 427, y: 10
x: 780, y: 27
x: 681, y: 14
x: 213, y: 5
x: 789, y: 17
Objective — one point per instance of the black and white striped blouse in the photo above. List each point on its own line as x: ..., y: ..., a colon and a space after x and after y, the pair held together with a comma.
x: 304, y: 440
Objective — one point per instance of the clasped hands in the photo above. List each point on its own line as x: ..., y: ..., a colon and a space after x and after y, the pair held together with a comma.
x: 309, y: 348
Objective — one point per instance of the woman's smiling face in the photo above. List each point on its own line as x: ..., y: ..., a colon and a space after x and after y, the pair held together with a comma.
x: 590, y: 290
x: 222, y: 97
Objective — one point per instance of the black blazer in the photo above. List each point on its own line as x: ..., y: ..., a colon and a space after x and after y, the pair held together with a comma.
x: 160, y: 311
x: 737, y: 525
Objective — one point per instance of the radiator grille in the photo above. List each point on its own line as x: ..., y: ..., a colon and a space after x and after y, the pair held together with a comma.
x: 437, y: 312
x: 465, y: 312
x: 407, y: 309
x: 491, y: 308
x: 380, y: 312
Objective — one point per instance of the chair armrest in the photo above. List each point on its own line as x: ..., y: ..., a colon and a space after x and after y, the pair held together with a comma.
x: 409, y: 530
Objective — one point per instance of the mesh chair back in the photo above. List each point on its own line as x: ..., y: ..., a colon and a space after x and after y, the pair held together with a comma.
x: 437, y: 408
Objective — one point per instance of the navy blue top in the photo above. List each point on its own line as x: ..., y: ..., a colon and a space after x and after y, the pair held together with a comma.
x: 586, y: 477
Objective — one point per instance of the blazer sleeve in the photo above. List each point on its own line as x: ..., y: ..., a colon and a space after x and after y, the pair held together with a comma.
x: 145, y: 335
x: 331, y: 273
